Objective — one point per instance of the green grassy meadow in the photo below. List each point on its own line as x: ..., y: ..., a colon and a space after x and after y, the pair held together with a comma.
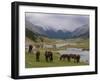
x: 30, y: 61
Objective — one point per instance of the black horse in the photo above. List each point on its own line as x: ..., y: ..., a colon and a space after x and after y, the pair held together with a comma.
x: 30, y: 49
x: 48, y: 56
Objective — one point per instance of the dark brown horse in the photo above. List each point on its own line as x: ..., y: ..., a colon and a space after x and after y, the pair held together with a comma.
x: 49, y: 56
x: 30, y: 48
x: 75, y: 57
x: 38, y: 56
x: 64, y: 56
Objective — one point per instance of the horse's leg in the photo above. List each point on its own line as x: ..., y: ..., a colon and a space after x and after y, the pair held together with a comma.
x: 78, y: 60
x: 46, y: 59
x: 51, y: 58
x: 63, y: 58
x: 74, y: 59
x: 60, y: 57
x: 68, y: 59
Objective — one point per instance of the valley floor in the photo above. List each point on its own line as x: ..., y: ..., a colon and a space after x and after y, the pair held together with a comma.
x: 30, y: 59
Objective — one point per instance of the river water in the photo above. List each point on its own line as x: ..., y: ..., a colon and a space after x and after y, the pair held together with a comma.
x: 84, y: 55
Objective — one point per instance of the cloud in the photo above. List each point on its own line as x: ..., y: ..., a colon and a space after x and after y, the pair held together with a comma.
x: 57, y: 21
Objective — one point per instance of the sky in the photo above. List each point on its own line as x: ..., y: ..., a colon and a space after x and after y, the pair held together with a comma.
x: 64, y: 22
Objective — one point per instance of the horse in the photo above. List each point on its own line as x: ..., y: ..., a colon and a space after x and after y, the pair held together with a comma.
x: 64, y: 56
x: 38, y: 56
x: 30, y: 49
x: 75, y: 57
x: 48, y: 56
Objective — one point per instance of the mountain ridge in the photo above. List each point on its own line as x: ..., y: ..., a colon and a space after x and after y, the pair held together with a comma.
x: 82, y: 31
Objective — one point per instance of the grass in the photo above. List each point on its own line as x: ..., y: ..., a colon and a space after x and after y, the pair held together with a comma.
x: 30, y: 61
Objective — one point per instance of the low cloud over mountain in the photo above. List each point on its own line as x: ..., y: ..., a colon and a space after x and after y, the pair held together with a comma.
x: 82, y: 31
x: 61, y: 26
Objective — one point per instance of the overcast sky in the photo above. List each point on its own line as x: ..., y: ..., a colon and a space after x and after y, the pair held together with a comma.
x: 57, y: 21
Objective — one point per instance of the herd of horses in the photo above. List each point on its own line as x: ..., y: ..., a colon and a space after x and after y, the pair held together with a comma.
x: 49, y: 56
x: 75, y: 57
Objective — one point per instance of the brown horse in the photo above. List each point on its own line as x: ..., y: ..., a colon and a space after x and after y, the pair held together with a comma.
x: 30, y: 48
x: 48, y: 56
x: 75, y: 57
x: 38, y: 56
x: 64, y: 56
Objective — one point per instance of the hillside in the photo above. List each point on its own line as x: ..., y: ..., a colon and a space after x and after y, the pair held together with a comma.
x: 31, y: 35
x: 82, y: 31
x: 37, y: 30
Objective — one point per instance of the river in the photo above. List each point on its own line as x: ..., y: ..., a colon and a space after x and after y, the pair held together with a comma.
x: 84, y: 55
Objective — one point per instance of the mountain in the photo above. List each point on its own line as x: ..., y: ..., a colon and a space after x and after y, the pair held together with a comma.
x: 36, y: 30
x: 82, y: 31
x: 47, y: 32
x: 31, y: 35
x: 58, y: 34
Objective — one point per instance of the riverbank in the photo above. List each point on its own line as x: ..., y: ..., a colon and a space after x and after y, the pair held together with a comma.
x: 30, y: 61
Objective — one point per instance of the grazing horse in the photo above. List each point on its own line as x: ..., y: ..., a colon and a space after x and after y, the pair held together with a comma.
x: 30, y: 49
x: 64, y: 56
x: 75, y: 57
x: 48, y: 56
x: 38, y: 56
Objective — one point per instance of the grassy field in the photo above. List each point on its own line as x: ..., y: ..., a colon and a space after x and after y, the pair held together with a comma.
x: 30, y: 61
